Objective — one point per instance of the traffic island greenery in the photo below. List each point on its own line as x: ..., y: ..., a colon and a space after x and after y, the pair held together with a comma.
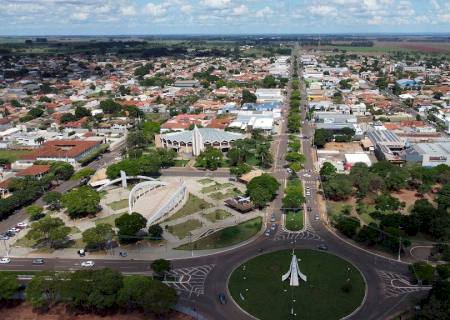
x: 334, y: 289
x: 226, y: 237
x: 294, y: 220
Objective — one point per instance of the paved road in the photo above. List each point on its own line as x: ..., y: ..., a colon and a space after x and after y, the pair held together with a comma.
x: 203, y: 278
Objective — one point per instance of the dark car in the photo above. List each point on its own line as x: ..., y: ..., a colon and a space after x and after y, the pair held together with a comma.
x: 309, y: 209
x: 222, y: 298
x: 38, y: 261
x: 322, y: 247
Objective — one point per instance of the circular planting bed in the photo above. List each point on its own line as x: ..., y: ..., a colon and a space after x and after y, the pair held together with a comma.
x: 334, y: 287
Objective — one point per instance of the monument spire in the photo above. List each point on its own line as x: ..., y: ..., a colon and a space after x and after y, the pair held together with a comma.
x: 294, y: 272
x: 197, y: 142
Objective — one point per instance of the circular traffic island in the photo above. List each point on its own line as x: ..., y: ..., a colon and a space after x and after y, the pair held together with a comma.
x: 334, y: 288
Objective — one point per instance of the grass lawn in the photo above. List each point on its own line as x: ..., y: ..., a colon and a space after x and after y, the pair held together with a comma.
x: 13, y: 155
x: 118, y: 205
x: 321, y: 297
x: 216, y: 187
x: 205, y: 181
x: 109, y: 219
x: 293, y: 221
x: 181, y: 163
x: 231, y: 193
x: 217, y: 215
x: 182, y: 230
x: 25, y: 242
x: 192, y: 205
x: 226, y: 237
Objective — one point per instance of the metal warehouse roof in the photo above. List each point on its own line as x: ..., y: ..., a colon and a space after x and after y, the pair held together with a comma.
x: 208, y: 134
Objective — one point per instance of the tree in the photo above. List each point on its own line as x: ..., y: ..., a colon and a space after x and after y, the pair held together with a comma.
x: 110, y: 107
x: 348, y: 226
x: 44, y: 289
x: 262, y: 189
x: 423, y: 272
x: 167, y: 157
x: 295, y: 157
x: 210, y: 158
x: 52, y: 198
x: 9, y: 286
x: 327, y: 171
x: 137, y: 140
x: 147, y: 294
x: 248, y: 97
x: 81, y: 202
x: 321, y: 137
x: 443, y: 198
x: 386, y: 202
x: 269, y: 82
x: 129, y: 225
x: 34, y: 211
x: 338, y: 187
x: 81, y: 112
x: 62, y: 170
x: 161, y: 266
x: 50, y: 230
x: 67, y: 117
x: 155, y: 231
x: 98, y: 236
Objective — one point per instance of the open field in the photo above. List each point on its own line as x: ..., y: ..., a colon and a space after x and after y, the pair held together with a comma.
x: 321, y: 297
x: 226, y: 237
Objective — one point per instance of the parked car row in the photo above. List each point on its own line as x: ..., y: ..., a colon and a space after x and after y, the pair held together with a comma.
x: 13, y: 231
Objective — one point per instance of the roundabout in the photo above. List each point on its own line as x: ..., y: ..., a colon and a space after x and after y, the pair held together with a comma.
x: 333, y: 290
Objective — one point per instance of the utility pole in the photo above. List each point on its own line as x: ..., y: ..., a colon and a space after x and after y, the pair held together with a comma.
x: 399, y: 248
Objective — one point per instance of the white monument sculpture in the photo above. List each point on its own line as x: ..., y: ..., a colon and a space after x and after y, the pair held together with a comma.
x: 294, y: 272
x: 197, y: 142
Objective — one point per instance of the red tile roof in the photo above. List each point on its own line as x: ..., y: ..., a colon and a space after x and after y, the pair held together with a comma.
x: 61, y: 149
x: 34, y: 170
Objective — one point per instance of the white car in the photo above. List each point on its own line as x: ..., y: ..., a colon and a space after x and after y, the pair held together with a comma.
x: 88, y: 263
x: 15, y: 230
x: 5, y: 260
x: 22, y: 225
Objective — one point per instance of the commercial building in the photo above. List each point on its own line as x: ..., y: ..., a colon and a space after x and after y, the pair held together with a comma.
x: 352, y: 158
x: 269, y: 95
x: 429, y: 154
x: 388, y: 145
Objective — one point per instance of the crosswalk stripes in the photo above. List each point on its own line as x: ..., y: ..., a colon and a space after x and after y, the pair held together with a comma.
x: 394, y: 285
x: 189, y: 280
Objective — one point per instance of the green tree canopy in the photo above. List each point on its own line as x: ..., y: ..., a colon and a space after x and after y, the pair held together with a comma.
x: 98, y: 236
x: 81, y: 202
x: 129, y: 225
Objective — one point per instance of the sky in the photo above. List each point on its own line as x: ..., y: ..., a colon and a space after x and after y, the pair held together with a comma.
x: 124, y: 17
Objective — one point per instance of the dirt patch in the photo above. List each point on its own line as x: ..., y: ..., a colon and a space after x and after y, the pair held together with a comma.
x: 409, y: 197
x: 25, y: 312
x: 344, y: 147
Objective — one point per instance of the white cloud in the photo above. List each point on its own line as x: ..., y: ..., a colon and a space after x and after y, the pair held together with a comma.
x: 187, y: 8
x: 241, y: 10
x: 322, y: 10
x: 266, y: 11
x: 128, y: 11
x: 155, y: 10
x: 216, y: 4
x: 80, y: 16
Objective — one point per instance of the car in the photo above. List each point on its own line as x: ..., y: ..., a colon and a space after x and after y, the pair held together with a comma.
x: 22, y: 225
x: 81, y: 252
x: 308, y: 188
x: 307, y: 175
x: 309, y: 209
x: 222, y: 298
x: 15, y: 230
x: 289, y: 170
x: 322, y: 247
x: 308, y: 193
x: 5, y: 260
x: 272, y: 218
x: 232, y: 178
x: 38, y: 261
x: 273, y: 227
x: 4, y: 237
x: 267, y: 233
x: 9, y: 234
x: 88, y: 263
x: 316, y: 217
